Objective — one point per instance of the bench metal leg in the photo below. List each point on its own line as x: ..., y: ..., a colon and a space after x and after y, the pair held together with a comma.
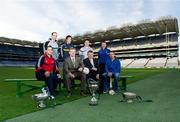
x: 123, y: 84
x: 18, y: 89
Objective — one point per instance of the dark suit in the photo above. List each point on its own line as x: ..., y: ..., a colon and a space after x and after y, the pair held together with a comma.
x: 70, y: 68
x: 92, y: 73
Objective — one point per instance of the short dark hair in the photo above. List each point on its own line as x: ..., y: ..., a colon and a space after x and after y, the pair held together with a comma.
x: 103, y: 42
x: 53, y: 33
x: 86, y: 39
x: 111, y: 52
x: 68, y: 36
x: 90, y: 51
x: 49, y: 46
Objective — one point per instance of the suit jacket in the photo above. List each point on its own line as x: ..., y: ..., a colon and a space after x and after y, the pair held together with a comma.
x: 69, y: 67
x: 88, y: 64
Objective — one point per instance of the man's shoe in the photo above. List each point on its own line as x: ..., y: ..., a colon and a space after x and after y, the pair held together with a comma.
x: 51, y: 97
x: 69, y: 95
x: 105, y: 92
x: 56, y: 92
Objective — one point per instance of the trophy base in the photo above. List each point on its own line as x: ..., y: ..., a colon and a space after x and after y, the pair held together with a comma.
x: 41, y: 104
x: 93, y: 104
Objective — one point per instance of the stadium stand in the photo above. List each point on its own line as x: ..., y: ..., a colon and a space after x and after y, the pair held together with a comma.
x: 172, y: 62
x: 15, y: 52
x: 139, y: 63
x: 156, y: 63
x: 17, y: 63
x: 150, y: 43
x: 126, y: 62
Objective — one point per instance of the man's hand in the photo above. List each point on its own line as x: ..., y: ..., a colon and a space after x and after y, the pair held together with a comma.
x: 110, y: 74
x: 71, y: 75
x: 80, y: 69
x: 59, y: 76
x: 47, y: 74
x: 97, y: 76
x: 94, y: 68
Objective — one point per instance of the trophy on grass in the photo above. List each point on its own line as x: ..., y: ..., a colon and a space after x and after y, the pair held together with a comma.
x: 93, y: 87
x: 41, y: 97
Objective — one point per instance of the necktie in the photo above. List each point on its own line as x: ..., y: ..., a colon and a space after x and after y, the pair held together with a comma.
x: 73, y: 60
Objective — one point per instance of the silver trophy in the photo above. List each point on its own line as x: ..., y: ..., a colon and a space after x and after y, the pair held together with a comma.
x: 131, y: 97
x: 93, y: 87
x: 41, y: 97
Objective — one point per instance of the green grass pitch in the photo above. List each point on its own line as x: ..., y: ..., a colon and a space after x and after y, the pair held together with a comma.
x: 11, y: 107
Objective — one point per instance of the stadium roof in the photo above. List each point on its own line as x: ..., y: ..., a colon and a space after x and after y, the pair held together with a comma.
x: 4, y: 40
x: 144, y: 28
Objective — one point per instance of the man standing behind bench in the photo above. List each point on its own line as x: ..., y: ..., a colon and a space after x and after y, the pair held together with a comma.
x: 103, y: 56
x: 53, y: 43
x: 47, y: 70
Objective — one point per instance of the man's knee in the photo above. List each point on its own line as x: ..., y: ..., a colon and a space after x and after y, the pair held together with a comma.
x: 40, y: 75
x: 104, y: 75
x: 67, y: 76
x: 116, y: 76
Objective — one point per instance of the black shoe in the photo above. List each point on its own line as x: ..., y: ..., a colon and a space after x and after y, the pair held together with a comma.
x: 100, y: 91
x: 56, y: 92
x: 82, y: 94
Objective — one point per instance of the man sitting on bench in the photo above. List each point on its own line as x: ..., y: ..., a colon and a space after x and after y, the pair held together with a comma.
x: 112, y: 70
x: 92, y: 64
x: 47, y: 70
x: 73, y: 68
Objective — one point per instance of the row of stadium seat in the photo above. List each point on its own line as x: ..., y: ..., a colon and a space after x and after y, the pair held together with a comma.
x: 159, y: 62
x: 16, y: 63
x: 136, y: 52
x: 141, y: 43
x: 12, y: 55
x: 18, y: 50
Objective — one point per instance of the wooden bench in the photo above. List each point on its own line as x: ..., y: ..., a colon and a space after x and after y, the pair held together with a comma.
x: 124, y: 83
x: 25, y: 82
x: 122, y: 78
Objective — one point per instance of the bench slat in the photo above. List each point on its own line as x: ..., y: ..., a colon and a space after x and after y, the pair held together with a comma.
x: 33, y: 79
x: 21, y: 82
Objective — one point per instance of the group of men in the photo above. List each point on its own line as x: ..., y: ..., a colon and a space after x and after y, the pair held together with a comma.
x: 106, y: 67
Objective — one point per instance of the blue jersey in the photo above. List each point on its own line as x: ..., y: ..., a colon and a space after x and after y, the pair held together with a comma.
x: 103, y: 55
x: 113, y: 66
x: 65, y: 50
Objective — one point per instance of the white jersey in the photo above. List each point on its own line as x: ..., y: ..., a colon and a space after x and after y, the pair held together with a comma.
x: 83, y: 52
x: 55, y: 49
